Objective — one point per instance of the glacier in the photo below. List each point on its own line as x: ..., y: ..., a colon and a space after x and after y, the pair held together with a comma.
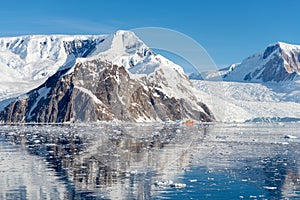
x: 264, y: 87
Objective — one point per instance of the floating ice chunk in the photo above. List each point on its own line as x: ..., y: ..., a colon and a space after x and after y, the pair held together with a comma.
x: 37, y: 141
x: 282, y: 143
x: 270, y: 187
x: 163, y: 183
x: 178, y: 185
x: 169, y: 183
x: 134, y: 172
x: 290, y: 137
x: 11, y: 133
x: 252, y: 197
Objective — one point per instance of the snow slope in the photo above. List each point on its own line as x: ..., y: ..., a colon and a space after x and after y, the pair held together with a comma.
x: 240, y: 102
x: 124, y: 48
x: 27, y: 61
x: 263, y: 87
x: 37, y: 56
x: 278, y: 62
x: 110, y: 58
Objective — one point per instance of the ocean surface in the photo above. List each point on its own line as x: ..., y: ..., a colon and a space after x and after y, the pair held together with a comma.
x: 150, y: 161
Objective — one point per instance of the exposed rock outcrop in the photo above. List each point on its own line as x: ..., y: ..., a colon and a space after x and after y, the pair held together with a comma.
x: 278, y: 62
x: 114, y: 78
x: 98, y: 90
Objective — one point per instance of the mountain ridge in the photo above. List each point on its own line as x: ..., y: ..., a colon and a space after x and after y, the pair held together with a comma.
x: 264, y: 87
x: 115, y: 77
x: 278, y: 62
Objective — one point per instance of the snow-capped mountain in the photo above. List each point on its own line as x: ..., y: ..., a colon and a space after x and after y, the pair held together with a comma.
x: 278, y: 62
x: 263, y: 87
x: 34, y: 57
x: 94, y: 78
x: 27, y: 61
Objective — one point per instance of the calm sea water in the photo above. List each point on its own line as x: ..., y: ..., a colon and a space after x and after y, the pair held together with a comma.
x: 153, y: 161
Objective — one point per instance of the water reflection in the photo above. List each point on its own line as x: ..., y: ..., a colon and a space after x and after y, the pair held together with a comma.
x: 278, y: 171
x: 105, y: 160
x: 251, y: 162
x: 126, y: 161
x: 23, y: 176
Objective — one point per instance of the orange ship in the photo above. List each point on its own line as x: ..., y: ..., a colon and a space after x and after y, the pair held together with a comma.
x: 189, y: 122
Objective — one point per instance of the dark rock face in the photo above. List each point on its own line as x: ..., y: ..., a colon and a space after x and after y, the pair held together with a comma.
x: 80, y: 48
x: 292, y: 62
x: 279, y: 62
x: 283, y: 66
x: 274, y: 70
x: 270, y: 50
x: 97, y: 90
x: 280, y: 67
x: 15, y: 112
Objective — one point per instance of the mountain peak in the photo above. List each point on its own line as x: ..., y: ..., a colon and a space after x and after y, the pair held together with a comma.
x: 287, y: 45
x: 284, y: 45
x: 124, y: 32
x: 280, y: 61
x: 110, y: 77
x: 126, y: 40
x: 280, y: 47
x: 273, y: 48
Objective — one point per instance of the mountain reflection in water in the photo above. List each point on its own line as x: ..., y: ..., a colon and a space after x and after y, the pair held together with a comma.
x: 105, y: 160
x: 126, y: 161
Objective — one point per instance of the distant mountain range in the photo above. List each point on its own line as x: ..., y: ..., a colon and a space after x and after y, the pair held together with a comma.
x: 60, y: 78
x: 57, y: 78
x: 264, y: 87
x: 278, y: 62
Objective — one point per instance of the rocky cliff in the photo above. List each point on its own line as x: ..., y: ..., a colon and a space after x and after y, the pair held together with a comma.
x: 115, y: 79
x: 278, y: 62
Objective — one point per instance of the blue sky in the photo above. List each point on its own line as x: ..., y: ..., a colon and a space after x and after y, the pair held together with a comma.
x: 229, y: 30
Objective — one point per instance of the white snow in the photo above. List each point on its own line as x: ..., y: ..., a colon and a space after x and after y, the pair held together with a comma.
x: 250, y: 64
x: 288, y: 48
x: 124, y: 48
x: 27, y: 61
x: 253, y: 64
x: 90, y: 93
x: 42, y: 94
x: 10, y: 89
x: 290, y: 137
x: 238, y: 102
x: 38, y: 57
